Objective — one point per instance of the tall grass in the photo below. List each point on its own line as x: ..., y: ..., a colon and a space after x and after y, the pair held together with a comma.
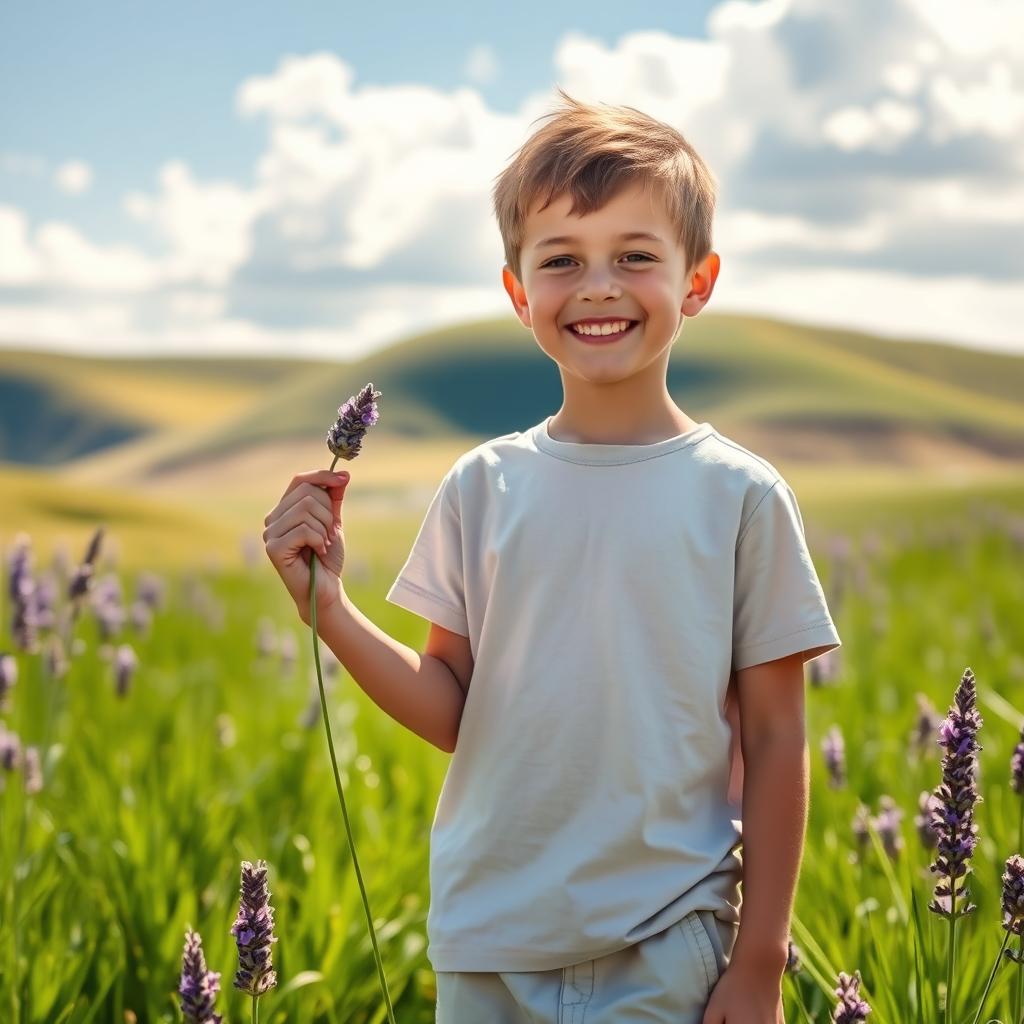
x: 151, y: 798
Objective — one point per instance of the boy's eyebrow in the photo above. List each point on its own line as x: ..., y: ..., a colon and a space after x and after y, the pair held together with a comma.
x: 569, y: 240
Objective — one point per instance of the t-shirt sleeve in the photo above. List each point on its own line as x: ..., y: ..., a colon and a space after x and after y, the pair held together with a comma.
x: 778, y: 607
x: 431, y: 581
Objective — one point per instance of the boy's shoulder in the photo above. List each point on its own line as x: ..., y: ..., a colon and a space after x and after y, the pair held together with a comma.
x: 487, y: 453
x: 736, y: 461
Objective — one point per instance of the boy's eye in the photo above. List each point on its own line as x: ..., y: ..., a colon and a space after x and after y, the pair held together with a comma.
x: 552, y: 262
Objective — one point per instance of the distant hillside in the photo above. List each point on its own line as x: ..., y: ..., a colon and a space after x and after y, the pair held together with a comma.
x: 55, y: 407
x: 804, y: 392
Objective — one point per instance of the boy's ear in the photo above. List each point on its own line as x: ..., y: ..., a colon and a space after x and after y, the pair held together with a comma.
x: 517, y: 294
x: 702, y: 284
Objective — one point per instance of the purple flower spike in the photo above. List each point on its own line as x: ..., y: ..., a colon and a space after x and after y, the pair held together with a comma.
x: 346, y: 436
x: 253, y: 931
x: 1017, y: 766
x: 22, y: 588
x: 953, y: 816
x: 834, y: 750
x: 926, y: 728
x: 199, y: 987
x: 1013, y: 900
x: 125, y: 663
x: 859, y: 825
x: 8, y: 677
x: 851, y: 1008
x: 82, y: 579
x: 928, y: 804
x: 793, y: 963
x: 10, y: 750
x: 887, y: 824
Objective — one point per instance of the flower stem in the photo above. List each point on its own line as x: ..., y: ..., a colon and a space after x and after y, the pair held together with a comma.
x: 337, y: 779
x: 800, y: 1000
x: 1018, y: 990
x: 255, y: 1010
x: 951, y: 955
x: 995, y: 967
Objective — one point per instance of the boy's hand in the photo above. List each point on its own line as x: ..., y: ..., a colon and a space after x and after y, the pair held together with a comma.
x: 307, y: 519
x: 745, y: 996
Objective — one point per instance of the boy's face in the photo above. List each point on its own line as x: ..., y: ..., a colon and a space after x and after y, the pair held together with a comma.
x: 598, y: 274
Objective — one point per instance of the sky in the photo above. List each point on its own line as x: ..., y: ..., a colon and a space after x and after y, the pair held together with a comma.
x: 315, y: 179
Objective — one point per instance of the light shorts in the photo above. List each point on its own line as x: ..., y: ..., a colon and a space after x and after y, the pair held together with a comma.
x: 665, y: 977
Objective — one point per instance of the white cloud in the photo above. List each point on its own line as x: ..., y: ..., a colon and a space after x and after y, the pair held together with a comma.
x: 73, y: 177
x: 204, y: 225
x: 993, y: 106
x: 19, y: 261
x: 889, y: 304
x: 746, y: 231
x: 882, y: 127
x: 841, y: 135
x: 56, y: 255
x: 986, y: 28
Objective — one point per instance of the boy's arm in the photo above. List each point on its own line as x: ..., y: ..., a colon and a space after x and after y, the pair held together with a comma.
x: 418, y: 690
x: 775, y: 799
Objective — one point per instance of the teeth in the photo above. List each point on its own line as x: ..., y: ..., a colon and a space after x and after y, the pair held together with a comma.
x: 611, y: 328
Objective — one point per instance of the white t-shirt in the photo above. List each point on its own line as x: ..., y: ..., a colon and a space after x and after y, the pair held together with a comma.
x: 609, y: 593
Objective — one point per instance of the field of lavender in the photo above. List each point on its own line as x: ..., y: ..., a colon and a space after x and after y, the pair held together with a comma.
x: 162, y: 743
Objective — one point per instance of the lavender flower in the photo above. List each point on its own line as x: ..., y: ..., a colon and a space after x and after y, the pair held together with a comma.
x: 1017, y: 765
x: 46, y: 594
x: 81, y: 581
x: 22, y: 589
x: 825, y: 668
x: 107, y: 607
x: 861, y: 820
x: 253, y: 931
x: 928, y: 804
x: 54, y: 657
x: 953, y: 819
x: 1013, y: 900
x: 199, y: 987
x: 926, y: 728
x: 887, y: 824
x: 346, y: 436
x: 344, y: 439
x: 10, y: 749
x: 834, y: 749
x: 8, y: 677
x: 793, y: 964
x: 149, y: 589
x: 851, y: 1008
x: 125, y: 663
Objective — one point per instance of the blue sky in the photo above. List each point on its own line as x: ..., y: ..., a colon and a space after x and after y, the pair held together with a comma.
x: 315, y: 179
x: 127, y: 87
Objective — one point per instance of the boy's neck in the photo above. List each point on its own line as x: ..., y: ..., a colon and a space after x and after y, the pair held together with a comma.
x: 620, y: 426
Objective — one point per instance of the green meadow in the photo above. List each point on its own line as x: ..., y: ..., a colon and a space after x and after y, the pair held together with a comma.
x: 907, y: 458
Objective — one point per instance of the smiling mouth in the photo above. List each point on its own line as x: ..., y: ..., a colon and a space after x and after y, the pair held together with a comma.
x: 601, y: 339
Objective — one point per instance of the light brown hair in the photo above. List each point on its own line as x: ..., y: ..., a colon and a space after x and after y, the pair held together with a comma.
x: 591, y: 153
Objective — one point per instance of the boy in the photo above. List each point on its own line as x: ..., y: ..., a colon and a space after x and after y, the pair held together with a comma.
x: 605, y: 590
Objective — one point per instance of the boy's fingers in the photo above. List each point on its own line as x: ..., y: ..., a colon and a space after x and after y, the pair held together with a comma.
x: 337, y: 497
x: 322, y: 477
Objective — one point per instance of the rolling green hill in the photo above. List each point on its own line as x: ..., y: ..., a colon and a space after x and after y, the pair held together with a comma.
x: 791, y: 385
x: 183, y: 457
